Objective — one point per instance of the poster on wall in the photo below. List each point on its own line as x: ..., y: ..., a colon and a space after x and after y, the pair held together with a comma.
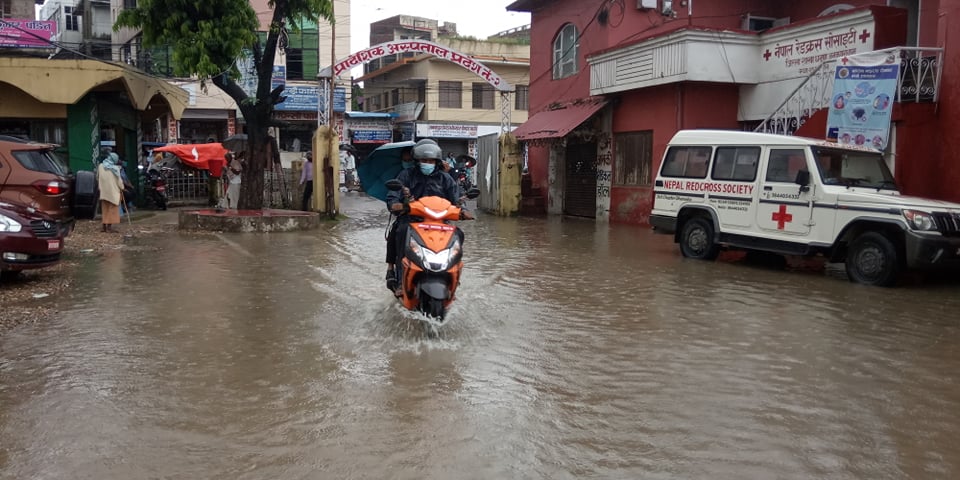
x: 864, y: 90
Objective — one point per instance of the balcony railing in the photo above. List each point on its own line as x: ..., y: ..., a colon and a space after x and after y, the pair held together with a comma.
x: 919, y: 81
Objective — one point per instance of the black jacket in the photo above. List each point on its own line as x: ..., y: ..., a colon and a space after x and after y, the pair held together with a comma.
x: 437, y: 184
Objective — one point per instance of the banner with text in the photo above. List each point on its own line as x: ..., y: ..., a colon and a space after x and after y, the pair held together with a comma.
x: 26, y: 33
x: 864, y: 90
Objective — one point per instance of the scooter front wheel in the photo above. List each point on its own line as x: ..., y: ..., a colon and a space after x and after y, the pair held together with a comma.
x: 433, y: 307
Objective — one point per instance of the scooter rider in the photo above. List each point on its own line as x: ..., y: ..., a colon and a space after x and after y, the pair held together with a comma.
x: 426, y: 178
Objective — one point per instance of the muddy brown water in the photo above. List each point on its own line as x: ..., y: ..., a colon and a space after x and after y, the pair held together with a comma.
x: 574, y: 351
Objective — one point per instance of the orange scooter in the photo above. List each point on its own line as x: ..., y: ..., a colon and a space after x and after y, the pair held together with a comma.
x: 432, y: 260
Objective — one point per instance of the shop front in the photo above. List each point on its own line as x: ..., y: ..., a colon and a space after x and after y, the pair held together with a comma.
x: 78, y: 103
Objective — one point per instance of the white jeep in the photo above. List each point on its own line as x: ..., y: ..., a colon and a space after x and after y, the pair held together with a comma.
x: 799, y: 196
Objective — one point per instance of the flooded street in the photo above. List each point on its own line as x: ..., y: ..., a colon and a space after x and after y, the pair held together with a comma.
x: 573, y: 350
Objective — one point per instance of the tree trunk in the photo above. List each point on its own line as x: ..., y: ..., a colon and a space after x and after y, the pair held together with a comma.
x: 257, y: 159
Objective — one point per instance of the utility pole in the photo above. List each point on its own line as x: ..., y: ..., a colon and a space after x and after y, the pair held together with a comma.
x: 87, y: 29
x: 333, y: 63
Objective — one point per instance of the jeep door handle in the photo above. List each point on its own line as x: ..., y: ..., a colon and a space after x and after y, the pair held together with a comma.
x: 767, y: 188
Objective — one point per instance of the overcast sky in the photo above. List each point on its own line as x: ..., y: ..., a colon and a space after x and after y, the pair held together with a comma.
x: 476, y: 18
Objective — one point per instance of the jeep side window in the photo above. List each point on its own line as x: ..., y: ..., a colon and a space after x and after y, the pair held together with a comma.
x: 686, y: 162
x: 785, y: 163
x: 736, y: 163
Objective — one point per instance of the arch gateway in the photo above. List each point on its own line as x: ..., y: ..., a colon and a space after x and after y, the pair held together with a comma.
x: 423, y: 47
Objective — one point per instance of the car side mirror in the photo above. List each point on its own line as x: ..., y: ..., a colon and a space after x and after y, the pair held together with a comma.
x: 394, y: 185
x: 803, y: 180
x: 473, y: 193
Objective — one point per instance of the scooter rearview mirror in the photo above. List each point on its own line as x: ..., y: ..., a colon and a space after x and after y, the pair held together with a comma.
x: 394, y: 185
x: 473, y: 193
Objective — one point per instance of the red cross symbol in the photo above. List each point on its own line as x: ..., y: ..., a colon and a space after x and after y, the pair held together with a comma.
x: 766, y: 55
x: 844, y: 60
x: 782, y: 217
x: 864, y: 36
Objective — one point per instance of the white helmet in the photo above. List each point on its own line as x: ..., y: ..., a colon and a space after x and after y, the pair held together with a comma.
x: 427, y: 151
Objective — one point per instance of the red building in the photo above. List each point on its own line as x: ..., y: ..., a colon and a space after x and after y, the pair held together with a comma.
x: 612, y: 81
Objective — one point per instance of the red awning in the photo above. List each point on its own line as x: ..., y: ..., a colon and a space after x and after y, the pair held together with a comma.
x: 204, y: 156
x: 558, y: 123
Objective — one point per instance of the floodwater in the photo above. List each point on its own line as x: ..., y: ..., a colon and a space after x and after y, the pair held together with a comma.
x: 574, y: 351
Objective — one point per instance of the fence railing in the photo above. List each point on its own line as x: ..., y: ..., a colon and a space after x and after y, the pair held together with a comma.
x: 188, y: 186
x: 919, y: 81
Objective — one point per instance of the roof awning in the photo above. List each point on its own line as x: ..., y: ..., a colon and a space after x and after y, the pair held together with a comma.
x: 67, y: 81
x: 559, y: 122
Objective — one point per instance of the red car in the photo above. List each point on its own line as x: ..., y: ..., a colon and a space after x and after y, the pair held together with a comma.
x: 29, y: 239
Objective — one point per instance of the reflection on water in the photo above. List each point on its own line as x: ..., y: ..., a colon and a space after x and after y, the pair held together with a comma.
x: 573, y: 350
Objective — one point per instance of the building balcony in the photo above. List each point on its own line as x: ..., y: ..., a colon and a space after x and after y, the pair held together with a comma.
x: 689, y: 55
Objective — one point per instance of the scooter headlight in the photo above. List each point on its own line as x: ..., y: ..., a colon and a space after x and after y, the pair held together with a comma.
x: 436, y: 261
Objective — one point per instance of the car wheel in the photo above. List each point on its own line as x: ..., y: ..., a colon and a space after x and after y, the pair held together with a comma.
x: 872, y: 259
x: 696, y: 239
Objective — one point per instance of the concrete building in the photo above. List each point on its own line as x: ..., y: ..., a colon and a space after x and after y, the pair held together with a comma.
x: 609, y: 87
x: 85, y: 26
x: 431, y: 97
x: 18, y: 9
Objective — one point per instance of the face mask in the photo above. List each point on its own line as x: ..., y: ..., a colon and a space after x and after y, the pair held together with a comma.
x: 406, y: 164
x: 427, y: 168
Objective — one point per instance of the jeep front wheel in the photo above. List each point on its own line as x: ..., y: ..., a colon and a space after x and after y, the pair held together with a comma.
x: 696, y: 240
x: 872, y: 259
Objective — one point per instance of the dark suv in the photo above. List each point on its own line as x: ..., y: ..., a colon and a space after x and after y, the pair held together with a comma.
x: 31, y: 174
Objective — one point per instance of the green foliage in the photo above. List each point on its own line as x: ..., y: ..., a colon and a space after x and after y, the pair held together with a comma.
x: 207, y: 36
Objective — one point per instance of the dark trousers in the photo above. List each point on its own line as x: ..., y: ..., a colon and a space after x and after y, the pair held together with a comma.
x: 392, y: 238
x: 307, y: 193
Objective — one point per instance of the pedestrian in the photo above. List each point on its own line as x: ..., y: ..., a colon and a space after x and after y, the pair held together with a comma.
x: 234, y: 170
x: 349, y: 166
x: 306, y: 179
x: 110, y: 182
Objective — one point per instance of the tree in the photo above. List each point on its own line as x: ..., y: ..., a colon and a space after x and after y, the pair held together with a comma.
x: 207, y: 38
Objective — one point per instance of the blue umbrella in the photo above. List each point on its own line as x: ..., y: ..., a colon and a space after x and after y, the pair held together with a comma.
x: 381, y: 165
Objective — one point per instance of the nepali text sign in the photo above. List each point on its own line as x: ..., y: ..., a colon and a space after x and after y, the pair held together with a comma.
x: 25, y: 33
x: 370, y: 131
x: 864, y: 90
x: 302, y: 98
x: 421, y: 46
x: 797, y: 52
x: 446, y: 130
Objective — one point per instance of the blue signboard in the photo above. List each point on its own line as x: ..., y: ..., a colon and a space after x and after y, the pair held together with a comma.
x: 299, y: 98
x: 306, y: 98
x: 371, y: 136
x: 339, y: 100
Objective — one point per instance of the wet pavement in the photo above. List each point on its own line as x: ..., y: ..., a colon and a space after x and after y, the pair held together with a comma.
x: 574, y: 351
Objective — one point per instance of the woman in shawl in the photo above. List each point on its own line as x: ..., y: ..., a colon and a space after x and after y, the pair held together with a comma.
x: 111, y: 186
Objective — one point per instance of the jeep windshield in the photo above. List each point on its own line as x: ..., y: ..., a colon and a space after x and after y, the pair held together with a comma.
x: 853, y: 169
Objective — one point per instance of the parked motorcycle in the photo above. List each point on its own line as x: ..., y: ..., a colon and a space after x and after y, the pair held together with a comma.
x: 430, y: 269
x: 459, y: 172
x: 156, y: 185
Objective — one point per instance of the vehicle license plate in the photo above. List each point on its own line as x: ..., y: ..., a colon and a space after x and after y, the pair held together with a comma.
x: 53, y: 244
